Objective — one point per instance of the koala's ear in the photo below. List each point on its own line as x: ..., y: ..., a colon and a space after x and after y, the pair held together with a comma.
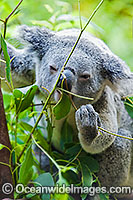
x: 114, y: 69
x: 39, y: 38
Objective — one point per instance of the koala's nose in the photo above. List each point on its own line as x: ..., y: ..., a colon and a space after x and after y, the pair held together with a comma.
x: 66, y: 80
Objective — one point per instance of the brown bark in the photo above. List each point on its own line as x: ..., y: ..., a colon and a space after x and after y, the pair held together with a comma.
x: 5, y: 173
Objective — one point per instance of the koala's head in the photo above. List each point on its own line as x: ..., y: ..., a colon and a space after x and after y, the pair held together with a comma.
x: 91, y: 66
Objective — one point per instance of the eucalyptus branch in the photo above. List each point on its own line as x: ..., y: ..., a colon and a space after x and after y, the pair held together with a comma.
x: 129, y: 104
x: 4, y: 146
x: 2, y: 61
x: 125, y: 97
x: 130, y: 100
x: 7, y: 18
x: 51, y: 93
x: 125, y: 137
x: 92, y: 15
x: 2, y: 20
x: 75, y: 158
x: 2, y: 163
x: 53, y: 161
x: 76, y: 95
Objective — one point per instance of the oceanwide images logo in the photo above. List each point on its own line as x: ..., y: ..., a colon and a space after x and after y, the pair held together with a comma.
x: 7, y: 188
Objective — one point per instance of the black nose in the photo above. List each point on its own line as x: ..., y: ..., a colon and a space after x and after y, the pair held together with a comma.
x: 66, y: 80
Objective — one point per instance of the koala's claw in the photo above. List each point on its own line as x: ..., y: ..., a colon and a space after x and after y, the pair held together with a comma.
x: 87, y: 120
x: 87, y: 116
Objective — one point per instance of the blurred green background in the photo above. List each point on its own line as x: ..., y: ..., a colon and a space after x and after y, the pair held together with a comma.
x: 113, y: 22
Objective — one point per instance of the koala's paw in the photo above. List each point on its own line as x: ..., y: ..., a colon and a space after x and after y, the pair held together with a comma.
x: 87, y: 121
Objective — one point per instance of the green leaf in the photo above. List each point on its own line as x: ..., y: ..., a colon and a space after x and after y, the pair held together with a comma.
x: 7, y: 59
x: 25, y: 126
x: 62, y: 180
x: 87, y: 178
x: 71, y: 177
x: 26, y: 170
x: 33, y: 197
x: 90, y: 162
x: 28, y: 98
x: 41, y: 140
x: 62, y: 108
x: 49, y: 130
x: 23, y: 101
x: 66, y: 135
x: 74, y: 150
x: 38, y: 135
x: 18, y: 95
x: 129, y: 106
x: 104, y: 196
x: 7, y: 100
x: 70, y: 198
x: 45, y: 179
x: 62, y: 197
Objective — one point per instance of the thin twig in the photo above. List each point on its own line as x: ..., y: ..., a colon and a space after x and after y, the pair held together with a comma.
x: 14, y: 10
x: 49, y: 96
x: 74, y: 158
x: 2, y: 20
x: 53, y: 161
x: 92, y: 15
x: 122, y: 136
x: 7, y: 18
x: 76, y: 95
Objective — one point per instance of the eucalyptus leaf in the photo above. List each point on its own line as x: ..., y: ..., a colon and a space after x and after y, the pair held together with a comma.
x: 45, y: 179
x: 18, y: 95
x: 87, y: 178
x: 28, y: 98
x: 71, y: 177
x: 41, y: 140
x: 129, y: 106
x: 62, y: 108
x: 25, y: 173
x: 104, y: 196
x: 74, y: 150
x: 66, y: 134
x: 61, y: 197
x: 62, y: 180
x: 23, y: 101
x: 70, y: 198
x: 91, y: 163
x: 49, y: 130
x: 7, y: 59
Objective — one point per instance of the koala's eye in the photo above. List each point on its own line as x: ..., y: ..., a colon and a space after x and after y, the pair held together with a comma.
x: 85, y: 76
x: 53, y: 69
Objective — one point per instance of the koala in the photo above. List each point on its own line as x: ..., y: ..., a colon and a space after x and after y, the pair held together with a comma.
x: 92, y: 71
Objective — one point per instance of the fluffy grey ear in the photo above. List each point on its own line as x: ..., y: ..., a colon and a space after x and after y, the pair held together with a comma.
x: 39, y: 38
x: 114, y: 68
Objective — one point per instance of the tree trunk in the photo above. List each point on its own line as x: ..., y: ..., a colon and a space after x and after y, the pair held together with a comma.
x: 5, y: 173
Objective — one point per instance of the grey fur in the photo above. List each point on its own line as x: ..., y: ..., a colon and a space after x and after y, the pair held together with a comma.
x: 109, y: 78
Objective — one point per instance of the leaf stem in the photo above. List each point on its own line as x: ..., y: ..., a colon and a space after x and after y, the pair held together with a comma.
x: 53, y: 161
x: 125, y: 137
x: 76, y: 95
x: 7, y: 18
